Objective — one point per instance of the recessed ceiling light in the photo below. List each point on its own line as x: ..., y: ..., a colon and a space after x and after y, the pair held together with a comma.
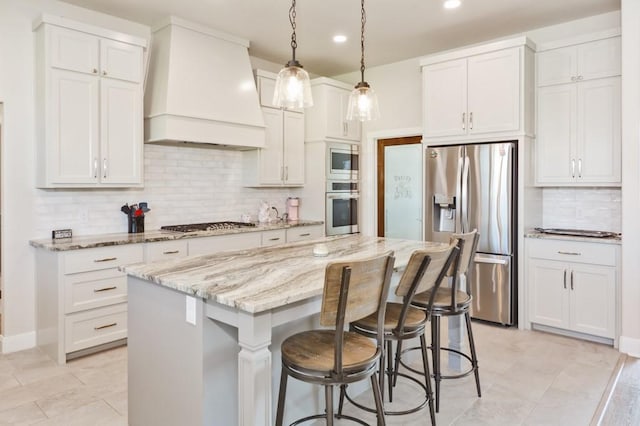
x: 451, y: 4
x: 339, y: 38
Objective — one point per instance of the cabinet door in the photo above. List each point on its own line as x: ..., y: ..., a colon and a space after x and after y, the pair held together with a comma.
x: 121, y: 132
x: 120, y: 60
x: 445, y: 98
x: 352, y: 127
x: 599, y: 59
x: 74, y: 129
x: 294, y: 148
x: 557, y: 66
x: 599, y: 134
x: 270, y: 157
x: 593, y: 298
x: 74, y: 50
x: 493, y: 90
x: 336, y: 110
x: 548, y: 293
x: 556, y: 134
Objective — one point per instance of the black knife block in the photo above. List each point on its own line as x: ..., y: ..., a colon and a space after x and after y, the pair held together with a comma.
x: 135, y: 224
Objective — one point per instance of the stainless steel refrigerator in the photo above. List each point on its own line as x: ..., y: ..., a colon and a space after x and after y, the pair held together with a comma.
x: 474, y: 187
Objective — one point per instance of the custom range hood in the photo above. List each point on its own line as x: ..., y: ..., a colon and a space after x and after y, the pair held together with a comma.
x: 200, y: 88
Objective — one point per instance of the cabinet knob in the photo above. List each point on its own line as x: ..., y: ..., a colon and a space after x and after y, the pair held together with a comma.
x: 580, y: 78
x: 104, y: 73
x: 95, y: 71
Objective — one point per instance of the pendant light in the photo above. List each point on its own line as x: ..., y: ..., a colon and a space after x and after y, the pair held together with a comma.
x: 293, y: 88
x: 363, y: 102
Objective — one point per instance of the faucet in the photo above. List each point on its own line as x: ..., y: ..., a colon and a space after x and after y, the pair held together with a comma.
x: 277, y: 214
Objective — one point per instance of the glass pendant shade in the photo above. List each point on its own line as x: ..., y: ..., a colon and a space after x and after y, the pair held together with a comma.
x: 293, y: 87
x: 363, y: 104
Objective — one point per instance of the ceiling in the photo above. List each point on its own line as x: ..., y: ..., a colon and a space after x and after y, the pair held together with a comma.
x: 395, y: 29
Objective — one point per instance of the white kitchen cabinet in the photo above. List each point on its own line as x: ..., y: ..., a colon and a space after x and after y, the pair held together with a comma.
x: 165, y: 250
x: 585, y: 61
x: 303, y: 233
x: 274, y: 237
x: 578, y: 141
x: 210, y: 245
x: 572, y: 286
x: 89, y: 92
x: 478, y: 91
x: 82, y: 299
x: 281, y: 161
x: 326, y: 119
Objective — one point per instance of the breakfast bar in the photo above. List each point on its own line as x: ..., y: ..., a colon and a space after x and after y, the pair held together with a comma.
x: 205, y: 332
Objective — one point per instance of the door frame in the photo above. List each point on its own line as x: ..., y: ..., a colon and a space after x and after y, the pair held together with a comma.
x: 381, y: 145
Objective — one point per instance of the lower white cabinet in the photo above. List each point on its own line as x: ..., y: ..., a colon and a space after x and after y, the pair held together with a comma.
x: 572, y: 285
x: 302, y: 233
x: 82, y: 298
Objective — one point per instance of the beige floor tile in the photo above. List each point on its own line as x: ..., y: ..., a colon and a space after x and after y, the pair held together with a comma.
x: 560, y: 408
x: 7, y: 381
x: 118, y: 401
x: 98, y: 413
x: 22, y: 415
x: 496, y: 407
x: 15, y: 397
x: 39, y: 370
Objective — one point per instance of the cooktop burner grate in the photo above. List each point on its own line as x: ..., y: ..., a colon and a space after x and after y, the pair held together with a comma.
x: 209, y: 226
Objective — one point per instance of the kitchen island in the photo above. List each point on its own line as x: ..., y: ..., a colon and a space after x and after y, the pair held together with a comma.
x: 205, y: 332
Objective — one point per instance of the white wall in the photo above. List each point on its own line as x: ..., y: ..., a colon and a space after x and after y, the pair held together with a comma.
x: 630, y: 297
x: 182, y: 184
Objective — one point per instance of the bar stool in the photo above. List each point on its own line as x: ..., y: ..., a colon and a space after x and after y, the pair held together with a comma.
x: 426, y: 269
x: 333, y: 357
x: 439, y: 302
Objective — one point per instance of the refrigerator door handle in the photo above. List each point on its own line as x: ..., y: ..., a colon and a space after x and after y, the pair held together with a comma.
x: 465, y: 194
x: 459, y: 191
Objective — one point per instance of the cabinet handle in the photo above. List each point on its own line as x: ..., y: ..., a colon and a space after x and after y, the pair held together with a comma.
x: 464, y: 121
x: 571, y: 280
x: 104, y: 168
x: 580, y: 78
x: 274, y: 239
x: 286, y: 172
x: 579, y: 167
x: 171, y: 252
x: 565, y: 279
x: 573, y: 168
x: 95, y: 71
x: 95, y: 168
x: 98, y: 290
x: 305, y: 235
x: 470, y: 121
x: 104, y: 72
x: 281, y: 172
x: 113, y: 324
x: 106, y: 259
x: 345, y: 129
x: 570, y: 253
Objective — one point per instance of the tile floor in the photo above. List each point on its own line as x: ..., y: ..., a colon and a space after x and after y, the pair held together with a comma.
x: 528, y: 378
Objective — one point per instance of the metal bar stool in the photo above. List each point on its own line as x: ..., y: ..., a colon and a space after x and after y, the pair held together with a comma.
x: 426, y: 269
x: 439, y: 302
x: 333, y: 357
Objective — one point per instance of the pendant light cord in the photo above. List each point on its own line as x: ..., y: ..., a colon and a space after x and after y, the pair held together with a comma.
x: 363, y: 20
x: 292, y: 20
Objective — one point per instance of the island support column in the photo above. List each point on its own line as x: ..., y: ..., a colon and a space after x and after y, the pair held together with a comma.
x: 254, y: 369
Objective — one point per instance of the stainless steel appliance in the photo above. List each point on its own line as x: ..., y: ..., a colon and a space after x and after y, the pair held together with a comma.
x: 343, y: 198
x: 474, y: 187
x: 209, y: 226
x: 343, y: 160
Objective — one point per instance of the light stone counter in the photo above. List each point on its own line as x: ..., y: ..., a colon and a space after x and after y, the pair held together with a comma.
x: 117, y: 239
x: 535, y: 234
x: 215, y: 360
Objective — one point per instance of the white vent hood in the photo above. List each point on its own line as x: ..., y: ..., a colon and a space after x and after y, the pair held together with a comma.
x: 200, y: 88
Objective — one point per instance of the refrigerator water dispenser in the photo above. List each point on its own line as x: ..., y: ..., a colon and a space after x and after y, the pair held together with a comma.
x: 444, y: 213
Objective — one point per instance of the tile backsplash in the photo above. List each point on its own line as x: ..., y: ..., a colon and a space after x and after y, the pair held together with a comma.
x: 181, y: 184
x: 582, y: 208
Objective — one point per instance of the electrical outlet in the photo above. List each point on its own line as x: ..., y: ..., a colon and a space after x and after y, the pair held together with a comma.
x: 191, y: 310
x: 57, y: 234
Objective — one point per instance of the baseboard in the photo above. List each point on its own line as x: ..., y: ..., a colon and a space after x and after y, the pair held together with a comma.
x: 630, y: 346
x: 17, y: 343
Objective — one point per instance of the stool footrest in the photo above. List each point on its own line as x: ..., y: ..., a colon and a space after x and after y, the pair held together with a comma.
x: 453, y: 376
x: 324, y: 416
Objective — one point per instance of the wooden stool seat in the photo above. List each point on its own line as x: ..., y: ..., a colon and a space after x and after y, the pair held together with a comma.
x: 313, y: 351
x: 416, y: 318
x: 442, y: 299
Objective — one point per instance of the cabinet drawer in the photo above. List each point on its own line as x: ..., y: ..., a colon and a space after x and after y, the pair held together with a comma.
x: 304, y: 233
x: 271, y: 238
x: 102, y: 258
x: 572, y: 251
x: 165, y: 250
x: 95, y: 327
x: 209, y: 245
x: 89, y: 290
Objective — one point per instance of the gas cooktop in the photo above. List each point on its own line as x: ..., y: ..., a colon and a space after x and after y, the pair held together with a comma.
x: 209, y: 226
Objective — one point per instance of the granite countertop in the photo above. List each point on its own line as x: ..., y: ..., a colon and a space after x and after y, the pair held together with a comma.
x: 91, y: 241
x: 264, y: 278
x: 536, y: 234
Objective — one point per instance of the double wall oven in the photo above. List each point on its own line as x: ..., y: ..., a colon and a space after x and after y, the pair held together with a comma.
x: 343, y: 188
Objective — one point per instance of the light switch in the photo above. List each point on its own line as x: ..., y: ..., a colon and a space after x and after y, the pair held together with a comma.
x: 191, y: 310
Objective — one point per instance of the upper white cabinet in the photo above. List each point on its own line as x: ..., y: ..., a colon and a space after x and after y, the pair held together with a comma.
x: 281, y: 161
x: 326, y: 119
x: 89, y: 91
x: 578, y: 138
x: 478, y: 91
x: 584, y: 61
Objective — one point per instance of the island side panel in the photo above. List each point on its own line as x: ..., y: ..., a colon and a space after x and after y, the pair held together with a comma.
x: 169, y: 360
